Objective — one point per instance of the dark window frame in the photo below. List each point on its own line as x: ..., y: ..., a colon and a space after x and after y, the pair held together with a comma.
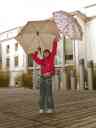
x: 30, y: 60
x: 16, y: 62
x: 7, y: 62
x: 8, y: 48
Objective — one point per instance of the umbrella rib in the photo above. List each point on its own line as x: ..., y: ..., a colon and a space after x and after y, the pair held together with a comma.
x: 46, y: 33
x: 33, y: 38
x: 41, y: 39
x: 34, y: 26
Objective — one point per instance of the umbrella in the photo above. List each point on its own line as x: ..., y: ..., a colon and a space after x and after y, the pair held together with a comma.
x: 68, y: 25
x: 37, y: 34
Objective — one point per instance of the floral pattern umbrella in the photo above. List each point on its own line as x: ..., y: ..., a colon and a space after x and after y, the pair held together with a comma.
x: 67, y: 25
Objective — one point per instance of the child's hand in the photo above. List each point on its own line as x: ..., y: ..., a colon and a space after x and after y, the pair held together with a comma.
x: 39, y: 49
x: 56, y: 39
x: 30, y: 50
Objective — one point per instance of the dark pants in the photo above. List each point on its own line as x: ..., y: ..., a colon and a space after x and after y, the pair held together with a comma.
x: 46, y: 97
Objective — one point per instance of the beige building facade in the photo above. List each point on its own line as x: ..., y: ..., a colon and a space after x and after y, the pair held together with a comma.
x: 13, y: 55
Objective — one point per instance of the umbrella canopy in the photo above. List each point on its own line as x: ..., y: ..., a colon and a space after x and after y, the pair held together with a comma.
x: 68, y: 25
x: 37, y: 34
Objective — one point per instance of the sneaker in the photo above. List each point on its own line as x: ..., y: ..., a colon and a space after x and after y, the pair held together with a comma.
x: 41, y: 111
x: 49, y: 111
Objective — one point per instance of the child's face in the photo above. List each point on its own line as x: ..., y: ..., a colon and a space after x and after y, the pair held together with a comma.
x: 46, y: 54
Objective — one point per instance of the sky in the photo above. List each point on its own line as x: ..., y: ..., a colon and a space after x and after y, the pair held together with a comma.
x: 14, y: 13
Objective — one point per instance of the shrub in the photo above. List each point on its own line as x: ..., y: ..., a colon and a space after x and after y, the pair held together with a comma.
x: 4, y: 79
x: 27, y: 80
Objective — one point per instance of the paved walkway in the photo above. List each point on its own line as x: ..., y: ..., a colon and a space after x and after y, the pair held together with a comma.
x: 19, y: 109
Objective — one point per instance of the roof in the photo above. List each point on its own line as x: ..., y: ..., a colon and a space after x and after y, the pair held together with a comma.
x: 9, y: 34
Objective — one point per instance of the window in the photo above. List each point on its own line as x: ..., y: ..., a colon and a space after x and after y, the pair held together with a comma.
x: 68, y: 48
x: 30, y: 61
x: 68, y: 57
x: 7, y: 62
x: 16, y: 59
x: 7, y: 48
x: 16, y: 46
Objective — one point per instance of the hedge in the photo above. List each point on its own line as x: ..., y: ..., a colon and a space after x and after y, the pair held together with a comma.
x: 27, y: 80
x: 4, y: 79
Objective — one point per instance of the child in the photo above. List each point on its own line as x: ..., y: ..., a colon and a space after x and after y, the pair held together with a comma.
x: 47, y: 71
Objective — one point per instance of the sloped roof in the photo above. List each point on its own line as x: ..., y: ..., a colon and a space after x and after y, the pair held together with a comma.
x: 11, y: 33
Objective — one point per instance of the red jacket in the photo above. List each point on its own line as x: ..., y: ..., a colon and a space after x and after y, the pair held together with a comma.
x: 47, y: 64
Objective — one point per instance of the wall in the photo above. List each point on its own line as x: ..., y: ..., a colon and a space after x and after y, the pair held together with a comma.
x: 79, y: 45
x: 91, y: 40
x: 22, y: 59
x: 8, y: 38
x: 12, y: 53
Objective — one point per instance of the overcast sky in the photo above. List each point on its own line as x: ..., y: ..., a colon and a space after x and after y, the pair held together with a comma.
x: 17, y: 12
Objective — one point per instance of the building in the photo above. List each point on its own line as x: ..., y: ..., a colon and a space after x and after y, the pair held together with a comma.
x: 13, y: 57
x: 91, y: 40
x: 87, y: 47
x: 15, y: 60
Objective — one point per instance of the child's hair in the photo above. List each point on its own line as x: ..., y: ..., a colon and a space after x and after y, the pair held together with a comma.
x: 46, y: 50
